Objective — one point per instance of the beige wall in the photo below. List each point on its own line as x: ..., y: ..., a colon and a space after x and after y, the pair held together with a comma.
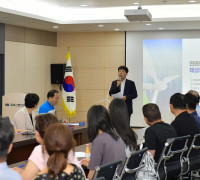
x: 95, y: 57
x: 27, y: 68
x: 28, y: 55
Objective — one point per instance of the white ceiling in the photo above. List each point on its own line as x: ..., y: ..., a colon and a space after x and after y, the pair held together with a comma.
x: 69, y: 16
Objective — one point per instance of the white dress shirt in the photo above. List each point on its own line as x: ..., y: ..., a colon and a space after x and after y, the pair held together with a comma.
x: 23, y: 121
x: 123, y: 86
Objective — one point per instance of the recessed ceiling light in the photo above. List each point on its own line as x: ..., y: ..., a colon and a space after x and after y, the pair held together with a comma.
x: 116, y: 29
x: 101, y: 25
x: 55, y: 27
x: 148, y: 24
x: 83, y: 5
x: 192, y: 1
x: 160, y: 28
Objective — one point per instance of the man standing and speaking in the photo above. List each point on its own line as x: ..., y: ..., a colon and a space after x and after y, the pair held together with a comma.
x: 125, y: 87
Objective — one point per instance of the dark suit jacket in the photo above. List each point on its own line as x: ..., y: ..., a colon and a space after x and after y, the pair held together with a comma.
x: 129, y: 91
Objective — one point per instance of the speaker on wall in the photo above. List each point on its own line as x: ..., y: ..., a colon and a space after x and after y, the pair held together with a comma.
x: 57, y: 73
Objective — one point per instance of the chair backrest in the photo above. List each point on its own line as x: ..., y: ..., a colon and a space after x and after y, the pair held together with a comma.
x: 193, y: 155
x: 170, y: 162
x: 195, y: 146
x: 108, y: 171
x: 100, y: 178
x: 6, y: 118
x: 133, y: 164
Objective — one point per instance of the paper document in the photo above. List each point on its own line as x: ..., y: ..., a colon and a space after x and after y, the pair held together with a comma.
x: 80, y: 154
x: 71, y: 124
x: 117, y: 95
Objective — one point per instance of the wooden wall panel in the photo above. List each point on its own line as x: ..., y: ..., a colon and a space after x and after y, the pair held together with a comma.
x: 95, y: 59
x: 115, y: 39
x: 49, y: 38
x: 107, y: 97
x: 38, y: 60
x: 15, y: 33
x: 80, y: 39
x: 114, y: 56
x: 87, y: 98
x: 82, y: 57
x: 89, y: 78
x: 111, y: 74
x: 31, y: 36
x: 28, y: 68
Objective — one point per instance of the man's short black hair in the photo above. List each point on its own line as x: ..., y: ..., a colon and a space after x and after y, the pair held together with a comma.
x: 191, y: 101
x: 178, y: 101
x: 151, y: 112
x: 124, y: 68
x: 31, y: 100
x: 6, y: 137
x: 51, y: 93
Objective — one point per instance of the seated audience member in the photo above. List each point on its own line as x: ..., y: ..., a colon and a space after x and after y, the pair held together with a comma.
x: 158, y: 132
x: 184, y: 124
x: 38, y: 158
x: 191, y: 101
x: 58, y: 142
x: 24, y: 119
x: 107, y: 147
x: 49, y: 105
x: 120, y: 121
x: 196, y: 94
x: 6, y: 137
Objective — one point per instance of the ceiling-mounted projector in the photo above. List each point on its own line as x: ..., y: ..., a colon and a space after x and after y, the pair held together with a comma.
x: 137, y: 15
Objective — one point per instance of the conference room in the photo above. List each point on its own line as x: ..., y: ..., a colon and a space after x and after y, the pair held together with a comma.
x: 101, y: 39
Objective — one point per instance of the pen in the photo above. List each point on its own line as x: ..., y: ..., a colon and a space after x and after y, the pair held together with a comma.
x: 21, y: 166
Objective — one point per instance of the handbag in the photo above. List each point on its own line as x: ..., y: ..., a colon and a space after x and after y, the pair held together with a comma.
x: 148, y: 171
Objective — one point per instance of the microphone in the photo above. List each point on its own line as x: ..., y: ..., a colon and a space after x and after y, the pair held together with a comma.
x: 119, y: 79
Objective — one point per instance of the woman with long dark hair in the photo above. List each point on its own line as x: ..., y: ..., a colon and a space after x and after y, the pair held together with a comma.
x: 120, y: 121
x: 58, y: 142
x: 107, y: 146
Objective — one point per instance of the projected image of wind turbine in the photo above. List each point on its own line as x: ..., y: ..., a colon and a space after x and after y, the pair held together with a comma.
x: 158, y: 85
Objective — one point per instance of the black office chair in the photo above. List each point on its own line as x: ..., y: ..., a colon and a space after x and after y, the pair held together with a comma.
x: 108, y: 171
x: 193, y: 156
x: 170, y: 163
x: 6, y: 118
x: 132, y: 165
